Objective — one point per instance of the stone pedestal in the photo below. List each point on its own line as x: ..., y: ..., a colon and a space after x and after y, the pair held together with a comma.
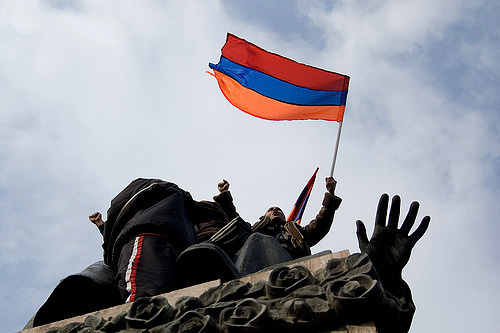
x: 227, y: 296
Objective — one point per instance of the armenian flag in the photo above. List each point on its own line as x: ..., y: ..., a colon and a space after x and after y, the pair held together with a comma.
x: 270, y: 86
x: 298, y: 209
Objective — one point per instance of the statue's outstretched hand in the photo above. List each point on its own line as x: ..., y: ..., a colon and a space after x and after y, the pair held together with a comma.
x: 389, y: 247
x: 223, y: 186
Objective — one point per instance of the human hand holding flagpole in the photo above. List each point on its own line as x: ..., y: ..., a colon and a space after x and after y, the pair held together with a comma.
x: 331, y: 184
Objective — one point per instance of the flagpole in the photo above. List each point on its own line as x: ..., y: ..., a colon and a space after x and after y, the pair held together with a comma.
x: 336, y: 148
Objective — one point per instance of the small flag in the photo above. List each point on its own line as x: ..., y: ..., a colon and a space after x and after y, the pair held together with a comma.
x: 298, y: 209
x: 269, y: 86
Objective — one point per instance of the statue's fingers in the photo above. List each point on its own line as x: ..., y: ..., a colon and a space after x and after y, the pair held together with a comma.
x: 361, y: 233
x: 422, y: 228
x: 410, y: 218
x: 394, y: 212
x: 382, y: 211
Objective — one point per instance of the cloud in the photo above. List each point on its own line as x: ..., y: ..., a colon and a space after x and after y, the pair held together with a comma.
x: 425, y: 130
x: 94, y: 95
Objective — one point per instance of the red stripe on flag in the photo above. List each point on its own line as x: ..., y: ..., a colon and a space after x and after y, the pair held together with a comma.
x: 298, y: 208
x: 249, y: 55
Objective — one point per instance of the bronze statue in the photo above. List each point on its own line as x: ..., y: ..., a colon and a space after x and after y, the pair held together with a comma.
x: 221, y: 245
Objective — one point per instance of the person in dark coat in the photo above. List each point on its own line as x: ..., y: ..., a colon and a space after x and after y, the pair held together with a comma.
x: 208, y: 218
x: 148, y: 225
x: 294, y: 238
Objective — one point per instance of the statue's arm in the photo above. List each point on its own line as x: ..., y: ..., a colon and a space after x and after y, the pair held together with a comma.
x: 390, y: 248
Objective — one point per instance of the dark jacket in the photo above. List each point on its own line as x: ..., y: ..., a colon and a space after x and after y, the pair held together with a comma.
x: 320, y: 226
x: 208, y: 218
x: 312, y: 233
x: 148, y: 206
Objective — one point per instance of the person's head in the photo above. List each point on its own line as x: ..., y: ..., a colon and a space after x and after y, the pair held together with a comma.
x: 276, y: 215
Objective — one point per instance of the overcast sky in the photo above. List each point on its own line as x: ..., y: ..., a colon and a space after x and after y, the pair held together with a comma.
x: 94, y: 94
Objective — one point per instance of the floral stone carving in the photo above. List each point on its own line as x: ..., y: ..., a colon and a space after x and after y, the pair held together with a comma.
x: 345, y: 291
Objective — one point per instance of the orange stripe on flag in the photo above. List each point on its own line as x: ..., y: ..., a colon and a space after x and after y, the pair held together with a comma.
x: 266, y: 108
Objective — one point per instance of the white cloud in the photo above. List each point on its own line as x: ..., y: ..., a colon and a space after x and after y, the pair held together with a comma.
x: 95, y: 94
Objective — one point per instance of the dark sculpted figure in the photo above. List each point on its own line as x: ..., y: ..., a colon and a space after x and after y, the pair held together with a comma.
x: 389, y: 247
x: 389, y: 250
x: 157, y: 238
x: 148, y: 225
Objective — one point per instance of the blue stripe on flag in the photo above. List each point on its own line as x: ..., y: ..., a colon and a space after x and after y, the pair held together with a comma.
x: 272, y: 87
x: 302, y: 208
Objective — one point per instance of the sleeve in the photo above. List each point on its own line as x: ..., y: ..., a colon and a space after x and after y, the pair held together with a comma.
x: 319, y: 227
x: 225, y: 201
x: 405, y: 308
x: 101, y: 229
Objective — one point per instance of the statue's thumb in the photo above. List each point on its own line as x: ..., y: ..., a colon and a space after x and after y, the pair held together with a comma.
x: 361, y: 233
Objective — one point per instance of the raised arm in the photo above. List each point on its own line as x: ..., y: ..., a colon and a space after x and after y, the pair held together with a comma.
x: 225, y: 200
x: 223, y: 186
x: 390, y: 248
x: 320, y: 226
x: 96, y: 218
